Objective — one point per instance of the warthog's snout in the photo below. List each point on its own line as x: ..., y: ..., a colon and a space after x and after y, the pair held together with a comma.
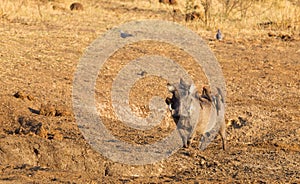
x: 192, y: 112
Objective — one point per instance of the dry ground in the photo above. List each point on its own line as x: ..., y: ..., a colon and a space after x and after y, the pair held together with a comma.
x: 39, y: 138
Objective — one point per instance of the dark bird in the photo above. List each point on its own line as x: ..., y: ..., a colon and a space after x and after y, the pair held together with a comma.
x: 142, y: 73
x: 219, y: 35
x: 125, y: 35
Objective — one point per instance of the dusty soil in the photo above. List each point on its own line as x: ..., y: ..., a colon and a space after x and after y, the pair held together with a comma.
x: 41, y: 143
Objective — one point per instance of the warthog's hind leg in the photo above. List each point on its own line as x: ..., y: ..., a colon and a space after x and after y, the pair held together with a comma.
x: 222, y: 132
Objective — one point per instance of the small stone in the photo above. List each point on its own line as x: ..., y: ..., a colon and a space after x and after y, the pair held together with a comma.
x: 20, y: 95
x: 47, y: 110
x: 202, y: 162
x: 76, y: 6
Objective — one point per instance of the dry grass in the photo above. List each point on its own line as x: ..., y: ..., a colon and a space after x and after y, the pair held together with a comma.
x: 230, y: 15
x: 248, y: 14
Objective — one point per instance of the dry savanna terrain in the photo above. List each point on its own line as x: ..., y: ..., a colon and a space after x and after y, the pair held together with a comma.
x: 42, y: 41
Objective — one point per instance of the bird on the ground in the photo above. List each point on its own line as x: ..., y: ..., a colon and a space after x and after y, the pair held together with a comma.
x: 219, y: 35
x: 125, y: 35
x: 142, y: 73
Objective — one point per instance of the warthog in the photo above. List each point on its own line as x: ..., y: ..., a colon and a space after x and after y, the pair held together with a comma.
x: 192, y: 112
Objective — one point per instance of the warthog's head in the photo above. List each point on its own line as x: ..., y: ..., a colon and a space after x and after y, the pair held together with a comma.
x: 182, y: 96
x: 192, y: 111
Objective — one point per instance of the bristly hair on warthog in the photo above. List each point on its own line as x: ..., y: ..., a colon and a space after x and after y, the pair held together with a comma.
x: 192, y: 112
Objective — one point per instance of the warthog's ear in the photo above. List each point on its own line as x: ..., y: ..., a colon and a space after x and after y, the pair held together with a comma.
x: 206, y: 94
x: 171, y: 88
x: 182, y: 82
x: 183, y: 85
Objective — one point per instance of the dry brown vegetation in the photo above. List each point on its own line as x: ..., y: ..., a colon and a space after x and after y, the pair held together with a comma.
x: 42, y: 42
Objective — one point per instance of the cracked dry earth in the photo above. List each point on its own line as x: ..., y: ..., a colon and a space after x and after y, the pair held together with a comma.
x: 41, y: 143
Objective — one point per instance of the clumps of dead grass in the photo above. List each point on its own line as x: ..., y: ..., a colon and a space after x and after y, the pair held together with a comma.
x: 244, y: 14
x: 49, y: 109
x: 170, y: 2
x: 24, y: 96
x: 232, y: 15
x: 32, y: 11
